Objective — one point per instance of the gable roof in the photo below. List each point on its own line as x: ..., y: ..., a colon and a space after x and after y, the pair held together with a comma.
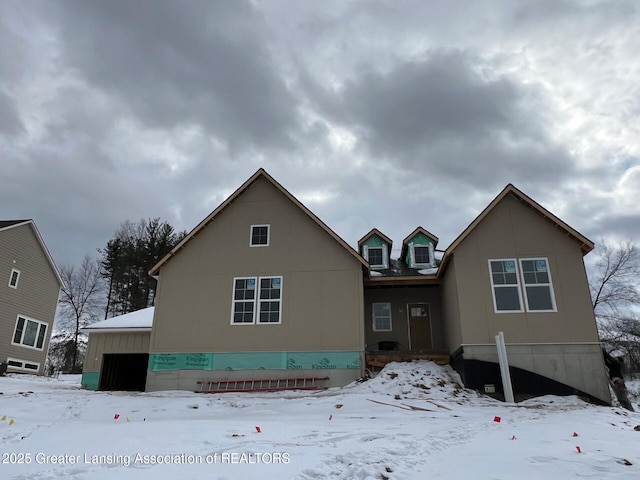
x: 9, y: 224
x: 405, y: 242
x: 372, y: 232
x: 261, y: 173
x: 586, y: 245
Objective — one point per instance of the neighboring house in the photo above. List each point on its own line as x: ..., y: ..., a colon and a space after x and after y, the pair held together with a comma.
x: 29, y: 290
x: 262, y: 288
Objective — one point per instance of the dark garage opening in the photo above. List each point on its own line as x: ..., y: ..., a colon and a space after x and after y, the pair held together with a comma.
x: 124, y: 371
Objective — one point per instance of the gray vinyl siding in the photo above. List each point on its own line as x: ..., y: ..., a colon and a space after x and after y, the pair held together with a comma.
x: 36, y: 296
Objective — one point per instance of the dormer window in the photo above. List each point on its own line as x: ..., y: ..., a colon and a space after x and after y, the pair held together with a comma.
x: 421, y: 256
x: 378, y: 257
x: 14, y: 277
x: 375, y: 256
x: 418, y: 249
x: 375, y: 248
x: 259, y: 236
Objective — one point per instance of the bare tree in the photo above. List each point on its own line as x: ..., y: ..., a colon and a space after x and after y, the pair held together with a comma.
x: 615, y: 292
x: 80, y: 302
x: 615, y: 285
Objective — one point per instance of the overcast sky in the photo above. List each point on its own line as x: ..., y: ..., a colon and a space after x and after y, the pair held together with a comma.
x: 386, y: 114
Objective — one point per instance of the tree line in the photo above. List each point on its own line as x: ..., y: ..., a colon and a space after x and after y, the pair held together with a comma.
x: 114, y: 284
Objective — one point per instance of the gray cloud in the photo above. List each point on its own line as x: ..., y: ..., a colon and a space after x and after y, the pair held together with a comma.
x: 179, y: 62
x: 10, y: 123
x: 391, y: 116
x: 443, y: 118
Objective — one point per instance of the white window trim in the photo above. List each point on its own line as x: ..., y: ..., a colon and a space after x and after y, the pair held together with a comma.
x: 14, y: 270
x: 412, y: 253
x: 27, y: 319
x: 257, y: 310
x: 373, y: 317
x: 22, y: 368
x: 385, y: 256
x: 268, y: 235
x: 234, y: 301
x: 550, y: 285
x: 256, y: 300
x: 517, y: 285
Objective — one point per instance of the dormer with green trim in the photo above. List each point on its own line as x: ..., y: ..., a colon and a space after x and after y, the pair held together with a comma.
x: 375, y: 248
x: 418, y: 249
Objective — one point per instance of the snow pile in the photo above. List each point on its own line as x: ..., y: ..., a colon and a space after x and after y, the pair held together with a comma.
x: 428, y: 271
x: 412, y: 421
x: 418, y: 380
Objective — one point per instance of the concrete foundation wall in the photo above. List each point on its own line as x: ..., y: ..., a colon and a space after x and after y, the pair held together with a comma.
x: 578, y: 365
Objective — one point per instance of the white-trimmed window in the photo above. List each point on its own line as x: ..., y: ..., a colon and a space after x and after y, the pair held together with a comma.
x: 24, y: 365
x: 505, y: 285
x: 244, y: 300
x: 259, y: 236
x: 381, y: 313
x: 422, y: 255
x: 29, y: 333
x: 257, y: 300
x: 14, y: 278
x: 376, y: 256
x: 538, y: 288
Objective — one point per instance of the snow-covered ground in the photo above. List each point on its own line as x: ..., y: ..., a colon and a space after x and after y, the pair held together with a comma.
x: 412, y: 421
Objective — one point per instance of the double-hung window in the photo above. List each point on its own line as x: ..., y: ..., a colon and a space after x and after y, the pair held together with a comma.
x: 257, y: 300
x: 244, y: 300
x: 521, y: 284
x: 29, y: 333
x: 505, y: 285
x: 270, y: 301
x: 538, y: 289
x: 381, y: 317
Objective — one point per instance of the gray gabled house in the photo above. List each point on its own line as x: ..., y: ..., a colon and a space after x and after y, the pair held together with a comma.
x: 29, y: 289
x: 262, y: 288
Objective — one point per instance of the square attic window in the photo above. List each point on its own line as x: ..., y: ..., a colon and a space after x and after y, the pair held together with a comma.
x: 259, y: 236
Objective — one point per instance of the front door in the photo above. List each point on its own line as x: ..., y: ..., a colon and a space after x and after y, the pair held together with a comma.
x: 419, y: 327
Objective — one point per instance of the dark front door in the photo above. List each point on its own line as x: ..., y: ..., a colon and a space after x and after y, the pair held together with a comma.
x: 419, y: 327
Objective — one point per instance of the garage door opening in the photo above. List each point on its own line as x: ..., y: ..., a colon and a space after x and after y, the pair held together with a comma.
x: 124, y: 371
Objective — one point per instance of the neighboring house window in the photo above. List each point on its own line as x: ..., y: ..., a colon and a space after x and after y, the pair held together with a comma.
x: 381, y: 317
x: 259, y: 236
x: 29, y: 333
x: 13, y: 279
x: 505, y: 285
x: 537, y: 285
x: 249, y: 308
x: 23, y: 364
